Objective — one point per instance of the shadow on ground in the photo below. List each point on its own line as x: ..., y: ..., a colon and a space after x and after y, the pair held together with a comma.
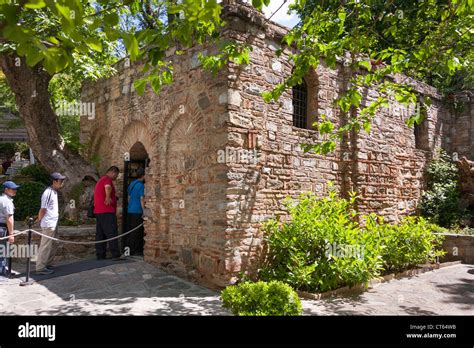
x: 138, y: 288
x: 447, y: 291
x: 131, y: 288
x: 338, y: 306
x: 461, y: 292
x: 127, y: 306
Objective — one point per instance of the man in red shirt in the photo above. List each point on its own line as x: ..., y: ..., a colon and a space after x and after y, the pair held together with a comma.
x: 105, y: 208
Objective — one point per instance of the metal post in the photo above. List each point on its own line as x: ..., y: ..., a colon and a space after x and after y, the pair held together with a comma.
x: 9, y: 260
x: 124, y: 200
x: 28, y: 281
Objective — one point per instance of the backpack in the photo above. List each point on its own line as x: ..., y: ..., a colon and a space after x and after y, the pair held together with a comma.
x: 90, y: 209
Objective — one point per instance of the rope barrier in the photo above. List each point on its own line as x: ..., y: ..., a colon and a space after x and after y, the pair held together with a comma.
x: 14, y: 234
x: 96, y: 242
x: 31, y: 230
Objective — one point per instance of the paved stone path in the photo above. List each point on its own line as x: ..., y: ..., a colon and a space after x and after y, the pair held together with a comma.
x: 142, y: 289
x: 446, y: 291
x: 136, y: 288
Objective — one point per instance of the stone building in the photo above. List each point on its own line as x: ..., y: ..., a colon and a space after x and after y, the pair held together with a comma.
x: 220, y: 160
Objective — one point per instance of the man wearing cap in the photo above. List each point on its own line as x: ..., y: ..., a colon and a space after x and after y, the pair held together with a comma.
x: 6, y: 220
x: 48, y: 217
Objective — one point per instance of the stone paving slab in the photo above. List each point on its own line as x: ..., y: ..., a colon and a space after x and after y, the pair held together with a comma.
x: 447, y: 291
x: 142, y: 289
x: 119, y: 289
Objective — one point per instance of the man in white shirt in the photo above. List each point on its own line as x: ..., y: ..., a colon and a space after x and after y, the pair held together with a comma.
x: 48, y: 217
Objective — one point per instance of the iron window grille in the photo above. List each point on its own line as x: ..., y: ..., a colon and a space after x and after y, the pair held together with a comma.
x: 300, y: 105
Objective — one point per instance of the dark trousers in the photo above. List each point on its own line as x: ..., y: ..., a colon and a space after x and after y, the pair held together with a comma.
x: 3, y: 258
x: 134, y: 240
x: 106, y: 227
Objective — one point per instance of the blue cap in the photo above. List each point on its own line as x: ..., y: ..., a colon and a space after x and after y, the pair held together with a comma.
x: 10, y: 185
x: 57, y: 176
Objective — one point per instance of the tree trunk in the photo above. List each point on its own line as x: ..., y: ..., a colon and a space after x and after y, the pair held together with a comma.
x: 30, y: 86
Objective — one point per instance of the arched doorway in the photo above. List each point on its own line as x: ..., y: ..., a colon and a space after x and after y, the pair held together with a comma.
x: 136, y: 160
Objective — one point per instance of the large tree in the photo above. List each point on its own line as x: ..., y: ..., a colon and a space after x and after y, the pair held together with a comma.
x: 38, y: 41
x: 79, y: 38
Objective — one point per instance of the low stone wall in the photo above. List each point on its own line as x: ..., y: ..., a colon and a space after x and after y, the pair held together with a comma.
x: 459, y: 248
x: 65, y: 251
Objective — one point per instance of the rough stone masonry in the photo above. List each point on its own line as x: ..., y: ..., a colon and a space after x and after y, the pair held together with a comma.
x: 222, y: 160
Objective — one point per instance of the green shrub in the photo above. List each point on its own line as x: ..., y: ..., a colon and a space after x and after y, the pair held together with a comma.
x: 438, y: 229
x: 7, y: 149
x: 440, y: 202
x: 38, y: 173
x: 28, y: 200
x: 407, y: 244
x: 68, y: 222
x: 323, y: 247
x: 251, y: 299
x: 467, y: 231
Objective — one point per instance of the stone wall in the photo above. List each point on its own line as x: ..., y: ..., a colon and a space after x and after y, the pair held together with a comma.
x: 458, y: 248
x: 222, y: 160
x: 461, y: 124
x: 182, y: 129
x: 385, y: 168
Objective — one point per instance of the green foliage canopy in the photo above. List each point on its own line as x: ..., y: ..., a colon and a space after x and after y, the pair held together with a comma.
x: 375, y: 40
x: 376, y: 37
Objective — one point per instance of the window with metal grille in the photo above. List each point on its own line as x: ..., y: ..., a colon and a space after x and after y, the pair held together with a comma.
x: 300, y: 105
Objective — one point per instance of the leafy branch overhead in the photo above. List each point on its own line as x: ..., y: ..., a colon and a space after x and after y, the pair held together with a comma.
x: 375, y: 40
x: 60, y: 34
x: 47, y: 48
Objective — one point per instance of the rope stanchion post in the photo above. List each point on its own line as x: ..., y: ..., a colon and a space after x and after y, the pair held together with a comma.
x: 27, y: 280
x: 9, y: 260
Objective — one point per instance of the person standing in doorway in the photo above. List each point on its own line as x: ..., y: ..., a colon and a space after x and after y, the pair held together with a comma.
x: 6, y: 221
x: 48, y: 217
x: 105, y: 210
x: 136, y: 207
